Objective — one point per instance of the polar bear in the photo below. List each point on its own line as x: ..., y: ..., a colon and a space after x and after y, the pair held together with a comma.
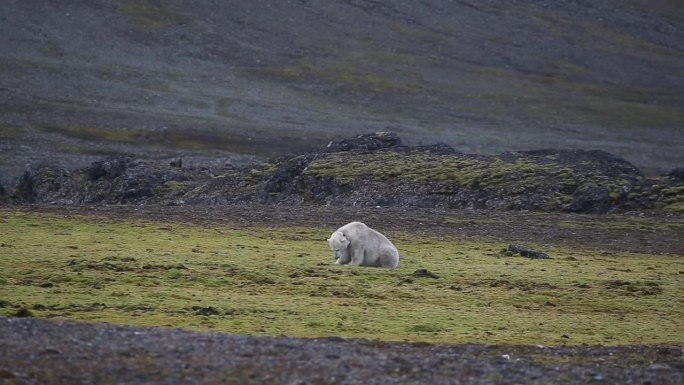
x: 358, y: 245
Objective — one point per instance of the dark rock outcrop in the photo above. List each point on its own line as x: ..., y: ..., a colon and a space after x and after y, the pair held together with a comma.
x: 525, y: 252
x: 287, y: 176
x: 591, y: 199
x: 372, y: 170
x: 41, y: 182
x: 110, y: 168
x: 677, y: 173
x: 367, y: 142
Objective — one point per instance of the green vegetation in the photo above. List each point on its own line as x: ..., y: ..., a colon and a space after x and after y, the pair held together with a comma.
x: 462, y: 170
x: 174, y: 185
x: 151, y: 14
x: 174, y: 138
x: 674, y: 199
x: 620, y: 107
x: 346, y: 74
x: 384, y: 166
x: 282, y: 281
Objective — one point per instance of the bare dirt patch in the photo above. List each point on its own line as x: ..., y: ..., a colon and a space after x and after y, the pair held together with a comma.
x: 49, y: 352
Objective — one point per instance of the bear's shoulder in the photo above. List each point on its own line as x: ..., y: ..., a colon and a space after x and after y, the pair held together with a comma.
x: 354, y: 224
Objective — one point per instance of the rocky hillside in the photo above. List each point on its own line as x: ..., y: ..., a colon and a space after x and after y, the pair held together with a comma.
x: 239, y: 81
x: 371, y: 170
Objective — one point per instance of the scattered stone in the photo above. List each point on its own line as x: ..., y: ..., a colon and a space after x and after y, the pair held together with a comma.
x: 23, y: 312
x: 525, y: 252
x: 110, y: 168
x: 424, y: 273
x: 616, y: 283
x: 206, y: 311
x: 177, y: 163
x: 592, y: 199
x: 368, y: 142
x: 6, y: 374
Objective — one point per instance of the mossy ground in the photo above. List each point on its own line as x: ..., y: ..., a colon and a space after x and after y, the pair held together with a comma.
x: 200, y: 140
x: 384, y: 166
x: 282, y: 281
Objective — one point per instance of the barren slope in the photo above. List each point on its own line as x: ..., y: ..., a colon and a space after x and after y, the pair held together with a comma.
x: 223, y: 81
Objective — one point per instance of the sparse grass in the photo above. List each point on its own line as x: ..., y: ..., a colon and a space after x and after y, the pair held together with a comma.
x: 174, y: 185
x: 346, y: 74
x: 174, y: 138
x: 273, y: 281
x: 149, y: 13
x: 615, y: 106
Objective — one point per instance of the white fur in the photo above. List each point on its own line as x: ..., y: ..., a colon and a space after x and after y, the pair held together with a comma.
x: 358, y: 245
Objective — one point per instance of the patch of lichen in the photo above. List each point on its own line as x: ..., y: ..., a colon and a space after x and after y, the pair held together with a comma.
x: 173, y: 138
x: 344, y: 75
x: 666, y: 195
x: 175, y: 186
x: 149, y: 13
x: 10, y: 132
x: 282, y: 281
x: 674, y: 199
x: 606, y: 105
x: 461, y: 170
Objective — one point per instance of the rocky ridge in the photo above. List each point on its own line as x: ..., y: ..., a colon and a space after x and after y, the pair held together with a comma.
x: 369, y: 170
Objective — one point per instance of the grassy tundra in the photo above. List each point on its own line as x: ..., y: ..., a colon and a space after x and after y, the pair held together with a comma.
x: 279, y: 280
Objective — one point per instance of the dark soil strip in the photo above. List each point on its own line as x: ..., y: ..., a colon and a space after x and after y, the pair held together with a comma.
x: 49, y: 352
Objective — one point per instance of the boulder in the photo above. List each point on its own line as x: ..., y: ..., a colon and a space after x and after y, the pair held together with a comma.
x: 43, y: 183
x: 110, y: 168
x: 591, y: 199
x: 676, y: 173
x: 366, y: 142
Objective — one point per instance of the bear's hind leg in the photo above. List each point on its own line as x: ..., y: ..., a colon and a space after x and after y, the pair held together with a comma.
x: 389, y: 259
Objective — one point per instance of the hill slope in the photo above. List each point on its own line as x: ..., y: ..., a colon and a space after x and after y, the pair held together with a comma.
x: 368, y: 171
x: 224, y: 81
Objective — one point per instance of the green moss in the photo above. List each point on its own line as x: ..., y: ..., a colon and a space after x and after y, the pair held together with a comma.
x: 677, y: 207
x: 595, y: 104
x: 677, y: 191
x: 174, y: 185
x: 10, y: 132
x: 173, y: 138
x: 422, y: 328
x: 346, y: 74
x: 149, y: 13
x: 282, y: 281
x: 173, y: 274
x: 461, y: 170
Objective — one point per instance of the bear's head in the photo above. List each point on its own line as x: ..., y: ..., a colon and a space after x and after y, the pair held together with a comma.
x: 338, y: 243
